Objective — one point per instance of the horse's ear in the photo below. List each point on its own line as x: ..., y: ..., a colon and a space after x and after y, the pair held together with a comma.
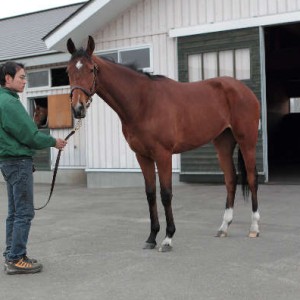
x: 70, y: 46
x: 90, y: 46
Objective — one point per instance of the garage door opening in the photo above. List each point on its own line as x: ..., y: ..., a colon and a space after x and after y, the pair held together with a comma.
x: 282, y: 44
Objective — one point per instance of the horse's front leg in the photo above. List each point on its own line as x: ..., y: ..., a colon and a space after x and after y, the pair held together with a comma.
x: 164, y: 166
x: 148, y: 168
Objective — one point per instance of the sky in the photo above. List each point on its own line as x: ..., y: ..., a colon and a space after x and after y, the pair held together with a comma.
x: 12, y: 8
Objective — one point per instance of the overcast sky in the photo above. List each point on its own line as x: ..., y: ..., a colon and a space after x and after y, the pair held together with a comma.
x: 11, y: 8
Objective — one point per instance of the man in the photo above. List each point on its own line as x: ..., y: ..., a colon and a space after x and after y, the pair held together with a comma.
x: 19, y: 138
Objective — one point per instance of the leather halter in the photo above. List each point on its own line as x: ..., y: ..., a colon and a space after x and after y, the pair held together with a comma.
x: 88, y: 93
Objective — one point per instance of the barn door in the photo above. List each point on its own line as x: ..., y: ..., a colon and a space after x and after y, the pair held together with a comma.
x: 234, y: 53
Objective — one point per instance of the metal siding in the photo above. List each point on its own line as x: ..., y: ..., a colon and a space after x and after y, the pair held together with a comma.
x: 107, y: 148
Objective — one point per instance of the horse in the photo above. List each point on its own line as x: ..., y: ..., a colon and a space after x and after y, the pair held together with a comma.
x: 40, y: 116
x: 161, y: 117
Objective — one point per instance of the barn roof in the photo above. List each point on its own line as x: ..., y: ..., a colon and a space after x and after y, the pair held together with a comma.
x: 94, y: 15
x: 21, y: 36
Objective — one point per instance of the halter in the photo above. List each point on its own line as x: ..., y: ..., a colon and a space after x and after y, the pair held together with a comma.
x: 84, y: 90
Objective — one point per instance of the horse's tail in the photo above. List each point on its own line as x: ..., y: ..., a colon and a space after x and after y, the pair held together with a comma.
x: 243, y: 175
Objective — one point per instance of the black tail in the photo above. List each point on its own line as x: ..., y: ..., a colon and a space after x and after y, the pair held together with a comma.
x: 243, y: 175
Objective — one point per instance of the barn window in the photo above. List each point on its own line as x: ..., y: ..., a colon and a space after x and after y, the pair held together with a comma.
x: 53, y: 111
x: 242, y: 64
x: 226, y: 64
x: 38, y: 79
x: 294, y: 105
x: 59, y: 77
x: 113, y: 56
x: 234, y: 63
x: 141, y: 57
x: 48, y: 78
x: 210, y: 65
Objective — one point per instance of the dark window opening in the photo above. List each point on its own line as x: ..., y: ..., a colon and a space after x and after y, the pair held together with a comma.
x: 59, y: 77
x: 40, y: 112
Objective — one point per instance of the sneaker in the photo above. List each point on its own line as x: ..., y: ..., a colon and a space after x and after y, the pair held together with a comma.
x: 25, y: 257
x: 23, y: 266
x: 33, y: 260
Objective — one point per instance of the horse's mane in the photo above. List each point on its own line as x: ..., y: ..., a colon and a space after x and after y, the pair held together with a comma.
x: 133, y: 66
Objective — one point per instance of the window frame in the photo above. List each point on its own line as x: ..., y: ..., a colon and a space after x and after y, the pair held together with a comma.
x: 45, y: 87
x: 123, y: 49
x: 201, y: 57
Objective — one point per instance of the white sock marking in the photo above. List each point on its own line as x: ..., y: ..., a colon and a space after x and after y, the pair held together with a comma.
x: 255, y: 219
x: 167, y: 241
x: 227, y: 218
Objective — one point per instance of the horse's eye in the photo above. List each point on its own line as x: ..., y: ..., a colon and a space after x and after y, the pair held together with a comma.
x: 92, y: 70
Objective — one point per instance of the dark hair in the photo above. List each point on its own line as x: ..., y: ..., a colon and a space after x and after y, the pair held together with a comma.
x: 9, y: 68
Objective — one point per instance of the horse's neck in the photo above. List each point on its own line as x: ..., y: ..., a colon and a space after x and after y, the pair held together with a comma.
x: 119, y: 87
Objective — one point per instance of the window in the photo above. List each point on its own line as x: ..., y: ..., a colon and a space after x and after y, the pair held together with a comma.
x: 294, y: 105
x: 141, y: 57
x: 59, y: 77
x: 48, y: 78
x: 37, y: 79
x: 234, y: 63
x: 113, y: 56
x: 53, y: 111
x: 39, y: 108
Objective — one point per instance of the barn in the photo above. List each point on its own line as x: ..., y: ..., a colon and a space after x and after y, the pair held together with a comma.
x: 255, y: 41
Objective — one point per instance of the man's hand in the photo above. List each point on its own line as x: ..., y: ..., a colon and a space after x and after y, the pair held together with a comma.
x: 60, y: 144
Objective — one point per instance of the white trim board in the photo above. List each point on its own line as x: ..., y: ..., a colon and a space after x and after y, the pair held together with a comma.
x: 236, y: 24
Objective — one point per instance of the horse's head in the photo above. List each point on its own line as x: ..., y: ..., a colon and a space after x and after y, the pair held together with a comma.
x: 40, y: 116
x: 82, y: 73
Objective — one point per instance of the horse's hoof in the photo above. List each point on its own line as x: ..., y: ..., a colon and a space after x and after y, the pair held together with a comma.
x: 253, y: 234
x: 165, y: 248
x: 149, y: 246
x: 221, y: 234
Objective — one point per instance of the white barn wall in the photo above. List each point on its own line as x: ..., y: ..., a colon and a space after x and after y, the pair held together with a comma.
x: 148, y: 23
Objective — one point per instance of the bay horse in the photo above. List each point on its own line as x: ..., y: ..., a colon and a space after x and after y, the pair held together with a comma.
x: 161, y: 116
x: 40, y: 116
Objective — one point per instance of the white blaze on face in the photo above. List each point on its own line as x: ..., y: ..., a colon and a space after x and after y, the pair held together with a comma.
x: 79, y: 65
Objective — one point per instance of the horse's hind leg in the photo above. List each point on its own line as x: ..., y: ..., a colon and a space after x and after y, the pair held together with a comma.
x: 248, y: 167
x: 225, y: 144
x: 148, y: 169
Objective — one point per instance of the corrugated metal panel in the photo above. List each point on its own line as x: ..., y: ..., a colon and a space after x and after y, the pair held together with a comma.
x: 152, y: 17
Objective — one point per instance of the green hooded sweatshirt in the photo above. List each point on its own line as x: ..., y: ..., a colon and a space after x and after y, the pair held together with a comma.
x: 19, y: 135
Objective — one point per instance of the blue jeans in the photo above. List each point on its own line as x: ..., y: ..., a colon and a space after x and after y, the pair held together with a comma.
x: 19, y: 182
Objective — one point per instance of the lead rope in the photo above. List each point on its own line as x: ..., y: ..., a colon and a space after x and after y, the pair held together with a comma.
x: 76, y: 128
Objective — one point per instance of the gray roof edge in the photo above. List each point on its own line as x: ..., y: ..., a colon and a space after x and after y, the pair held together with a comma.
x: 44, y: 10
x: 85, y: 3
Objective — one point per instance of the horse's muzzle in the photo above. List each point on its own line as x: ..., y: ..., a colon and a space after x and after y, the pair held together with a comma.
x: 79, y: 112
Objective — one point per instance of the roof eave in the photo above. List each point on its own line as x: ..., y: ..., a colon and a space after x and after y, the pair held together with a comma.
x: 87, y: 20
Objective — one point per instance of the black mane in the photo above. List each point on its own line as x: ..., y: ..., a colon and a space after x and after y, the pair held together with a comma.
x: 133, y: 66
